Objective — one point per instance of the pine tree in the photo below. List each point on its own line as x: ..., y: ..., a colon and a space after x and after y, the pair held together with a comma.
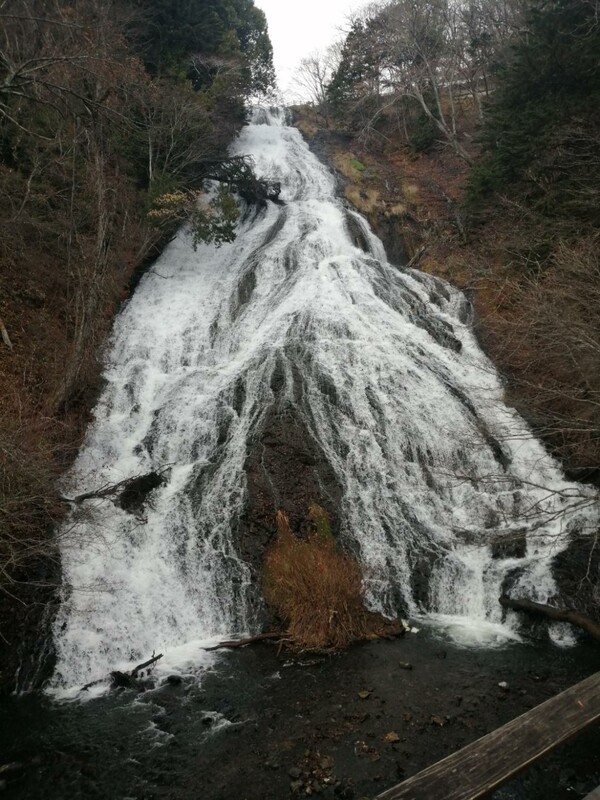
x: 544, y: 116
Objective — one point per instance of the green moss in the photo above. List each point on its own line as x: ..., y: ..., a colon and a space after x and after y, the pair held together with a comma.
x: 357, y: 165
x: 320, y: 519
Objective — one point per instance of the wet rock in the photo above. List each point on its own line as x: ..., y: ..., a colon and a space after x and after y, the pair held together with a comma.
x: 421, y: 571
x: 175, y: 680
x: 286, y: 470
x: 26, y: 614
x: 121, y: 679
x: 392, y: 232
x: 581, y: 557
x: 514, y: 546
x: 356, y: 233
x: 245, y: 290
x: 344, y: 791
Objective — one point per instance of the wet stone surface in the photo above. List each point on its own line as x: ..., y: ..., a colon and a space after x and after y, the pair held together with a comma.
x: 286, y: 470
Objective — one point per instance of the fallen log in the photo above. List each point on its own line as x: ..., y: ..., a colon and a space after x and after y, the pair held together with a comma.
x: 392, y: 632
x: 261, y: 637
x: 129, y: 679
x: 148, y: 663
x: 559, y: 614
x: 89, y: 685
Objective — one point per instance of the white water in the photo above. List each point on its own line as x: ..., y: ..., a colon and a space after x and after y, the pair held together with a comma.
x: 405, y: 419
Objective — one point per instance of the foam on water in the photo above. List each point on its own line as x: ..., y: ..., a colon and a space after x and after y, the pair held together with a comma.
x: 383, y: 367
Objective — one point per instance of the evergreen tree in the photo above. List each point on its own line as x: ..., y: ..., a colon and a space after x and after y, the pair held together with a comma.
x: 170, y: 33
x: 543, y: 122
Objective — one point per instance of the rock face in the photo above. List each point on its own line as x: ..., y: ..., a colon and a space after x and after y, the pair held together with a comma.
x: 576, y: 570
x: 286, y: 470
x: 390, y: 231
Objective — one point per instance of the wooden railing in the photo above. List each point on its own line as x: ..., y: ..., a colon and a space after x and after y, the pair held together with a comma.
x: 480, y: 767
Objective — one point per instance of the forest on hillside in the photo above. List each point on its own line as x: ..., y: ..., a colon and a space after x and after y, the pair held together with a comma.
x: 492, y: 109
x: 113, y: 115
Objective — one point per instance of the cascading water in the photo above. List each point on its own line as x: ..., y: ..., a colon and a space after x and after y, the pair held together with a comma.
x: 382, y: 366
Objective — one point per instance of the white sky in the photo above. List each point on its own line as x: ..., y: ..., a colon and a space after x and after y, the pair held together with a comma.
x: 299, y: 27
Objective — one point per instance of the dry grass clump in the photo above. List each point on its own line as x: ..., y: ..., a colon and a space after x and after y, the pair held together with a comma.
x: 316, y: 590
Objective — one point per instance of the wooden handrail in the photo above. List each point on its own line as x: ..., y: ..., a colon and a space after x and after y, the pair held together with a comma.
x: 595, y: 795
x: 491, y: 761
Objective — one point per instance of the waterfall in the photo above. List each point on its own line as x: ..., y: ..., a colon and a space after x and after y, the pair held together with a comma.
x: 381, y: 364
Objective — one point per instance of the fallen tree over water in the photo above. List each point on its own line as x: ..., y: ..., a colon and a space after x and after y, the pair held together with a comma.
x: 557, y: 614
x: 130, y: 494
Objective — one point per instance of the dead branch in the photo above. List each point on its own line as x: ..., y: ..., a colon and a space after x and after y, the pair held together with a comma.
x: 261, y: 637
x: 148, y: 663
x: 394, y: 631
x: 560, y: 615
x: 127, y: 679
x: 109, y: 490
x: 417, y: 257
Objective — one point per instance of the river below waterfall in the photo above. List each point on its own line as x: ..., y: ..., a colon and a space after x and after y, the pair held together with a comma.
x: 265, y: 727
x: 296, y: 365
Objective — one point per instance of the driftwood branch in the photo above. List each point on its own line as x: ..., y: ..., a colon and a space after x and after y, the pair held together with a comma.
x: 261, y: 637
x: 392, y: 632
x: 148, y: 663
x: 560, y: 615
x: 125, y: 678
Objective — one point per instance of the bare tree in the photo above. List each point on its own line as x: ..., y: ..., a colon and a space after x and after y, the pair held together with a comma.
x: 433, y: 55
x: 311, y: 78
x: 68, y: 85
x: 423, y: 61
x: 176, y: 129
x: 313, y: 74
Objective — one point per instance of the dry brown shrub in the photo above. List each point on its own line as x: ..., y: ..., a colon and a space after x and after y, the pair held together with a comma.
x: 316, y: 590
x: 29, y: 502
x: 545, y: 336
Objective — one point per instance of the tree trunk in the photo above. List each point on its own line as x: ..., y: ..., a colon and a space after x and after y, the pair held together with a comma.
x: 560, y: 615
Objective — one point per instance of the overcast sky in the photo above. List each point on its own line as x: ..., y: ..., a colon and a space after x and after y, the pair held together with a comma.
x: 299, y: 27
